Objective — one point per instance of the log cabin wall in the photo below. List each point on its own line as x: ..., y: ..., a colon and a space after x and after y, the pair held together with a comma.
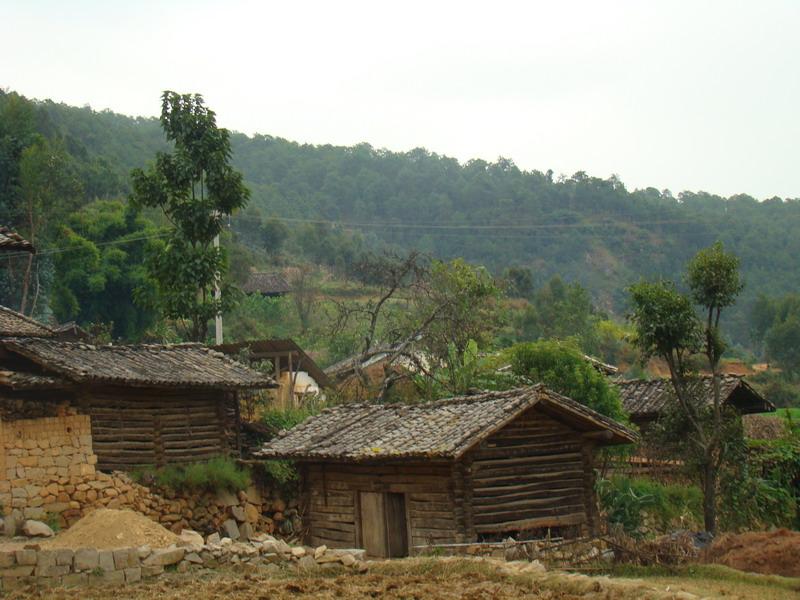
x: 535, y: 473
x: 137, y: 427
x: 333, y: 492
x: 15, y: 405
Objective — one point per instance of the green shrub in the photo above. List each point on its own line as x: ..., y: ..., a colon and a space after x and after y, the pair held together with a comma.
x: 280, y: 476
x: 624, y: 500
x: 750, y: 502
x: 562, y: 367
x: 217, y: 474
x: 277, y: 419
x: 764, y: 490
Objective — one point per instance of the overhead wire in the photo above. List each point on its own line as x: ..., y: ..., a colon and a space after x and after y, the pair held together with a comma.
x: 442, y: 230
x: 50, y: 251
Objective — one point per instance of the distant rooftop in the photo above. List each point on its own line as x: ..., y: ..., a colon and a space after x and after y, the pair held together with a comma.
x: 648, y: 399
x: 267, y: 284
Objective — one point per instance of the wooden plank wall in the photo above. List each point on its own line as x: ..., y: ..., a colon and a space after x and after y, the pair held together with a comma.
x: 534, y: 473
x: 143, y: 427
x: 333, y: 495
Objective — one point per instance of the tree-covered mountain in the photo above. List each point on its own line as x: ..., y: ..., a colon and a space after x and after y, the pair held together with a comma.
x: 586, y: 229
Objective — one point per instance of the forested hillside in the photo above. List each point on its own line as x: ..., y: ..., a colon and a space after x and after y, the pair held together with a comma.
x: 586, y: 229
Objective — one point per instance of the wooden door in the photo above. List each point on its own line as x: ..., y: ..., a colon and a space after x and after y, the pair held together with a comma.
x: 384, y: 531
x: 396, y: 529
x: 373, y: 524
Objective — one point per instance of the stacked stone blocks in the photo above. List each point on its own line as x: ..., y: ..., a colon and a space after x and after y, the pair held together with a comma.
x: 42, y: 463
x: 41, y: 566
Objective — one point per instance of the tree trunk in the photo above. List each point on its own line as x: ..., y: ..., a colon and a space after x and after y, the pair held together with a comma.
x: 710, y: 498
x: 26, y: 284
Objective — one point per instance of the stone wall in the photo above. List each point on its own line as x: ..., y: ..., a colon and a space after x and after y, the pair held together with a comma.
x: 41, y: 463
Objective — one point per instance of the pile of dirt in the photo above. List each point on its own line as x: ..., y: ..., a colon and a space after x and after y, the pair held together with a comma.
x: 771, y: 553
x: 107, y: 528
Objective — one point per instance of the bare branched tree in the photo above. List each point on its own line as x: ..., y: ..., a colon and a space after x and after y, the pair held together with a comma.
x: 304, y: 294
x: 420, y: 305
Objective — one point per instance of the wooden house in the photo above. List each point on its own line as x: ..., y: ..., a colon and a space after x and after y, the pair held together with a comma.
x: 295, y: 372
x: 395, y: 478
x: 645, y: 401
x: 149, y: 404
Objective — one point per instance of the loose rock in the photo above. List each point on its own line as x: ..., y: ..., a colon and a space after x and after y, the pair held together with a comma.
x: 33, y: 528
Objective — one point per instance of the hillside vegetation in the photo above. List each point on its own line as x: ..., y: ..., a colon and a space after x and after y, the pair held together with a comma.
x: 586, y: 229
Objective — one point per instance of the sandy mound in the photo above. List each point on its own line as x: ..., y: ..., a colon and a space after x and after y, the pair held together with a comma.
x: 107, y: 528
x: 772, y: 553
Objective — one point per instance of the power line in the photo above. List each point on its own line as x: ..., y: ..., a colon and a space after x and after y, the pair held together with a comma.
x: 50, y: 251
x: 396, y: 225
x: 454, y: 230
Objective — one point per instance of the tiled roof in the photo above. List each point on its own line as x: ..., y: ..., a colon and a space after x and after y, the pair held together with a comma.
x: 444, y: 429
x: 14, y: 324
x: 266, y: 348
x: 266, y: 283
x: 11, y: 241
x: 189, y: 365
x: 346, y: 367
x: 649, y: 398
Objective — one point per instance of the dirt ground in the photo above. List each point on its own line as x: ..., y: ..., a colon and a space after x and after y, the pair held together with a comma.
x: 772, y: 553
x: 423, y: 579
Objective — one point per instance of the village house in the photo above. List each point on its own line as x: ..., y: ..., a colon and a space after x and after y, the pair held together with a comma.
x: 147, y: 405
x: 357, y: 378
x: 297, y: 375
x: 395, y: 478
x: 645, y: 401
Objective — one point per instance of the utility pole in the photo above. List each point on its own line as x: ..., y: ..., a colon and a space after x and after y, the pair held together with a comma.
x: 217, y: 296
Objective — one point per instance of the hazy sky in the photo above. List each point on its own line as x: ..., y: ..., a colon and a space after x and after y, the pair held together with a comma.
x: 679, y: 95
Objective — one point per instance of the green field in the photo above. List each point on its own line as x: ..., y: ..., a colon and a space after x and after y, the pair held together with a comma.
x: 782, y: 413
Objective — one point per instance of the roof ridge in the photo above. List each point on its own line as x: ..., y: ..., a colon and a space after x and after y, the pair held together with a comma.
x: 483, y: 396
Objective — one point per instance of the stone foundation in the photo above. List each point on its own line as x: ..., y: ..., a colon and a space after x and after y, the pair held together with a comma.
x: 47, y: 473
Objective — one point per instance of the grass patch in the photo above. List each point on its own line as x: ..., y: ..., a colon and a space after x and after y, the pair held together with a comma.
x: 53, y: 522
x: 711, y: 578
x: 215, y: 475
x: 785, y: 413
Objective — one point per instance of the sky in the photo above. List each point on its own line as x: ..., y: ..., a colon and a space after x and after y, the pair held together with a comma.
x: 680, y: 95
